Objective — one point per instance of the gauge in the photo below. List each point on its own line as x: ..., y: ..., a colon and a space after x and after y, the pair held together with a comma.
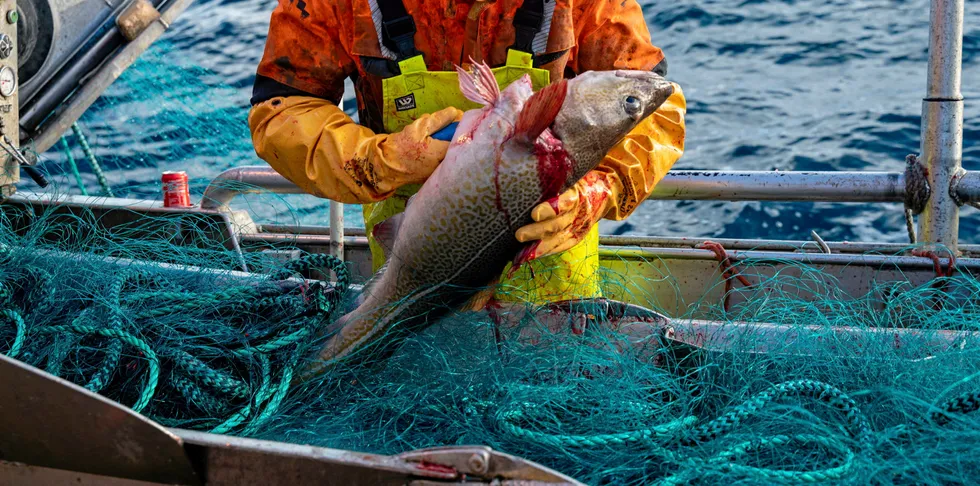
x: 8, y: 81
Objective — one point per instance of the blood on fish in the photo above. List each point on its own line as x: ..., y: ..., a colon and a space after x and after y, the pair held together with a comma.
x: 554, y: 166
x: 496, y: 185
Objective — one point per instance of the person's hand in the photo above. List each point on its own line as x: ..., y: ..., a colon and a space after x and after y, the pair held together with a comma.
x: 412, y: 154
x: 560, y: 223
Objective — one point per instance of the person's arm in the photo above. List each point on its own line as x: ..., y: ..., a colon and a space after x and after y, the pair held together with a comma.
x: 299, y: 130
x: 613, y: 35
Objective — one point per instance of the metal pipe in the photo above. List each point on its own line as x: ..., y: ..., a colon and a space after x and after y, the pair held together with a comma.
x: 941, y: 148
x: 771, y: 254
x: 245, y: 180
x: 966, y: 187
x: 863, y: 260
x: 707, y: 185
x: 782, y: 186
x: 357, y: 239
x: 337, y: 229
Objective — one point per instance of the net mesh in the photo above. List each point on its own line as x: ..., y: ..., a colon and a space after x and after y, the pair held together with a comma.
x: 857, y: 390
x: 800, y: 383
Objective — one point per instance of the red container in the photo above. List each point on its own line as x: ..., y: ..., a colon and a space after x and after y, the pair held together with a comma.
x: 176, y: 193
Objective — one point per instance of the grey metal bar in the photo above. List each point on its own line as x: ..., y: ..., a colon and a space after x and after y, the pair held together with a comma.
x: 897, y: 261
x: 966, y: 187
x: 782, y: 186
x: 708, y: 185
x: 337, y: 229
x: 254, y: 179
x: 942, y: 123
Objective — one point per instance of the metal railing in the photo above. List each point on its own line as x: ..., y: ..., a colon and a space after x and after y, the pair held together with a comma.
x: 933, y: 183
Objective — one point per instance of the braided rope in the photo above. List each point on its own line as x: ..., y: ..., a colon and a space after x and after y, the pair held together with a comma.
x: 151, y: 357
x: 114, y: 353
x: 96, y: 167
x: 210, y: 376
x: 14, y: 316
x: 195, y: 395
x: 508, y: 422
x: 804, y: 388
x: 963, y: 404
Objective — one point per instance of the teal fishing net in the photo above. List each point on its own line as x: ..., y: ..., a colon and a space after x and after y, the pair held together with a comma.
x: 859, y: 390
x: 167, y: 113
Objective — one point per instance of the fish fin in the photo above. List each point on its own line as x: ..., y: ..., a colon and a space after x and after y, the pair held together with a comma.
x: 386, y: 231
x: 369, y: 285
x: 479, y: 86
x: 481, y: 299
x: 539, y: 112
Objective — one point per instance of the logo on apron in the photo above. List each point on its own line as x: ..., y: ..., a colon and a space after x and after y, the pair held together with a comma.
x: 405, y: 102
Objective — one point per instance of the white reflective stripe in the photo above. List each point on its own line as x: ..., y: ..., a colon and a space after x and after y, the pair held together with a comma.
x: 376, y: 17
x: 540, y: 43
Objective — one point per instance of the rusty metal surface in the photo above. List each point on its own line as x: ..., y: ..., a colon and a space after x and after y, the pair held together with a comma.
x: 485, y: 463
x: 238, y: 461
x: 46, y: 421
x: 18, y: 474
x: 241, y: 462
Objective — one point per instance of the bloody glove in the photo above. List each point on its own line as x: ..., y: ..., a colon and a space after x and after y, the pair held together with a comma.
x: 560, y: 223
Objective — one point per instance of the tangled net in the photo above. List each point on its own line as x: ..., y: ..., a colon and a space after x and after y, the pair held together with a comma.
x: 192, y: 344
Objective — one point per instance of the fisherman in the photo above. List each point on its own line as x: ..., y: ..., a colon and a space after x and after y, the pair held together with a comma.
x: 401, y: 56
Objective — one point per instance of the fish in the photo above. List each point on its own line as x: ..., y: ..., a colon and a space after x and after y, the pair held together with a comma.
x: 457, y: 233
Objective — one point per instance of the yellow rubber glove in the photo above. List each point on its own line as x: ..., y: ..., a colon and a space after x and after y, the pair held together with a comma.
x: 562, y: 222
x: 314, y: 144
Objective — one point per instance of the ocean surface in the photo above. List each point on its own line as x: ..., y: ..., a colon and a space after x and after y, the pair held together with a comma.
x: 787, y: 85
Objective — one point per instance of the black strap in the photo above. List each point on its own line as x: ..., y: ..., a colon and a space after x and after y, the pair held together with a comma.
x: 527, y: 24
x: 397, y: 28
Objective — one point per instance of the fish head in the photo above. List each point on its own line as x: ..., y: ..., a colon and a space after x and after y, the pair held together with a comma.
x: 602, y: 107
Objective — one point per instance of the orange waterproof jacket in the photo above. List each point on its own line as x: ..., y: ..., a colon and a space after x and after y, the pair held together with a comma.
x: 315, y: 45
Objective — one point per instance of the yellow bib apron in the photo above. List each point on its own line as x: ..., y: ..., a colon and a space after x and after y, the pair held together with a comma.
x: 418, y: 91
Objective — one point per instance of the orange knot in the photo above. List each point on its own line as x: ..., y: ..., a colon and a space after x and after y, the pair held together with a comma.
x: 727, y: 267
x: 936, y: 263
x: 940, y: 272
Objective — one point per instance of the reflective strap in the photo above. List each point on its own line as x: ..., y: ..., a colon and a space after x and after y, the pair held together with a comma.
x: 527, y: 24
x: 540, y: 43
x: 376, y: 17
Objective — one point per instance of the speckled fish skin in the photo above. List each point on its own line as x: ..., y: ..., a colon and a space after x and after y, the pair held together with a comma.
x: 457, y: 233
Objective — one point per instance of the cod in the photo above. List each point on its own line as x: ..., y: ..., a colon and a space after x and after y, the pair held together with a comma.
x: 457, y: 233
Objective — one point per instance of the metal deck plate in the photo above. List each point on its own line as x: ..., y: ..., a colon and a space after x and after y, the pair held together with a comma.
x: 49, y: 422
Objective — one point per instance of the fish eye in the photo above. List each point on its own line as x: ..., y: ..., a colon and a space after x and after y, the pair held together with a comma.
x: 632, y: 105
